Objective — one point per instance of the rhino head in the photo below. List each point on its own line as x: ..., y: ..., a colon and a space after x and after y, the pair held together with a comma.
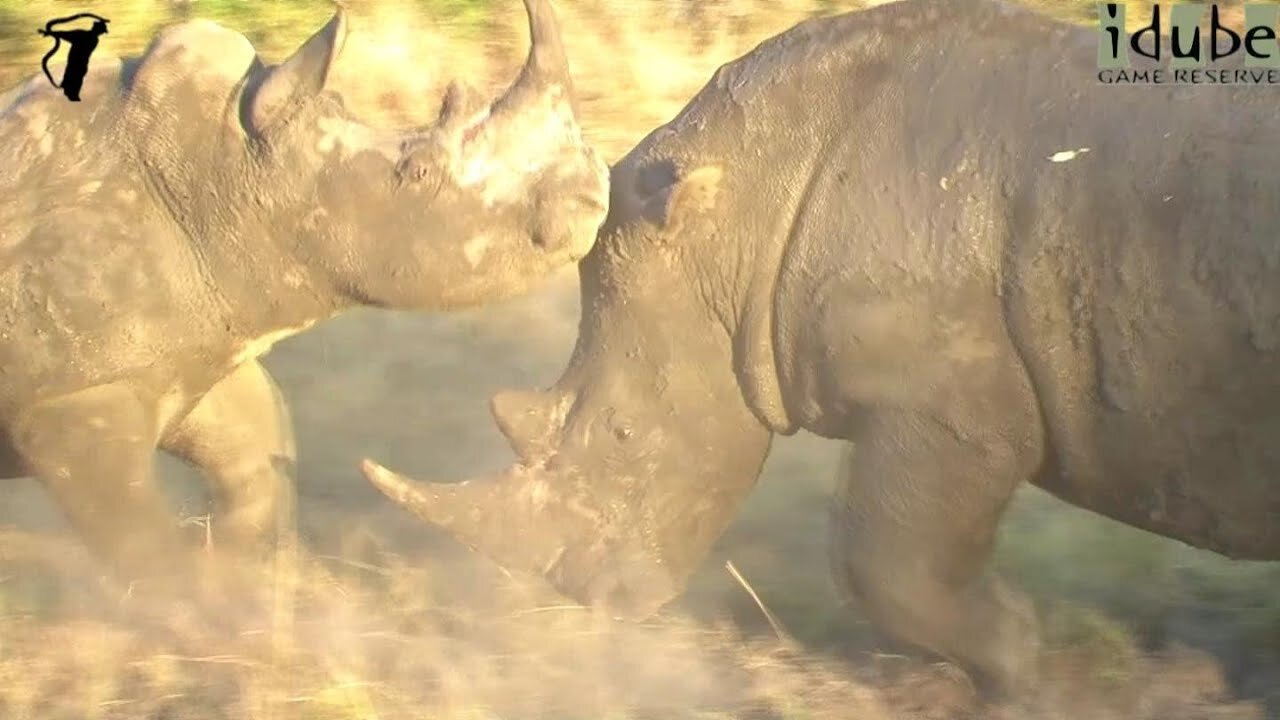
x: 636, y: 460
x: 475, y: 207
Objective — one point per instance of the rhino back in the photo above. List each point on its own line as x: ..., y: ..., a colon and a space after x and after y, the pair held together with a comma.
x: 103, y: 203
x: 1145, y: 295
x: 1139, y: 275
x: 961, y: 182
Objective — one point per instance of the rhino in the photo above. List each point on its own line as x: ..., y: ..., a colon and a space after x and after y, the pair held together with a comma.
x: 927, y: 230
x: 200, y: 205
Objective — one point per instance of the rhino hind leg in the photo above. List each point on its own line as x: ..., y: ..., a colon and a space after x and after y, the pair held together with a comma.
x: 913, y: 527
x: 94, y: 451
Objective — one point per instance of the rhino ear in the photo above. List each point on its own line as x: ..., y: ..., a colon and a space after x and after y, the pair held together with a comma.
x: 303, y: 75
x: 687, y: 196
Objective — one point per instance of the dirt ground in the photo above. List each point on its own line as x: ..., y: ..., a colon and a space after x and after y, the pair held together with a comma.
x: 397, y: 621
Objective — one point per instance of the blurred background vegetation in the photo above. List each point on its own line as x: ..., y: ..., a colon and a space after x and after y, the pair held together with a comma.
x: 638, y: 58
x: 1110, y: 592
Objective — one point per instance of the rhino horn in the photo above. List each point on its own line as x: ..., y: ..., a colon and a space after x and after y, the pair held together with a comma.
x: 499, y: 516
x: 546, y: 64
x: 546, y: 69
x: 303, y: 75
x: 533, y: 520
x: 529, y: 419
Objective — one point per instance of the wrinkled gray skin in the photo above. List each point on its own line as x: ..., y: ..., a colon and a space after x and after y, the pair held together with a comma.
x: 856, y: 230
x: 197, y: 206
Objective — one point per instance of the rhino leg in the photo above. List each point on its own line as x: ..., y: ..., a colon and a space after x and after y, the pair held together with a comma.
x: 913, y: 528
x: 94, y: 450
x: 240, y: 436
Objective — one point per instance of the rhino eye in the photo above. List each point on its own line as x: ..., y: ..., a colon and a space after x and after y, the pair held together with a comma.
x: 620, y: 428
x: 413, y: 170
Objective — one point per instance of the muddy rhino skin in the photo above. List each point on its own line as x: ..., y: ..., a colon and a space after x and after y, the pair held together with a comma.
x: 198, y: 206
x: 925, y: 229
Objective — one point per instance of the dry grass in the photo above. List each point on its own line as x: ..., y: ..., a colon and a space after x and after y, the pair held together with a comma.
x: 371, y: 642
x: 396, y: 622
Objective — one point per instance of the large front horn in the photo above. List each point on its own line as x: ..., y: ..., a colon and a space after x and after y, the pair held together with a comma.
x: 533, y: 520
x: 483, y: 513
x: 546, y: 65
x: 510, y: 518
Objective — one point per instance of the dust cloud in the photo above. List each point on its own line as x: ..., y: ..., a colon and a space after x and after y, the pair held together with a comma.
x: 395, y: 620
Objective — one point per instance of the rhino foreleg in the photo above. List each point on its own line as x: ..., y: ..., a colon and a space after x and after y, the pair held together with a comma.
x: 913, y: 527
x: 94, y: 450
x: 240, y: 436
